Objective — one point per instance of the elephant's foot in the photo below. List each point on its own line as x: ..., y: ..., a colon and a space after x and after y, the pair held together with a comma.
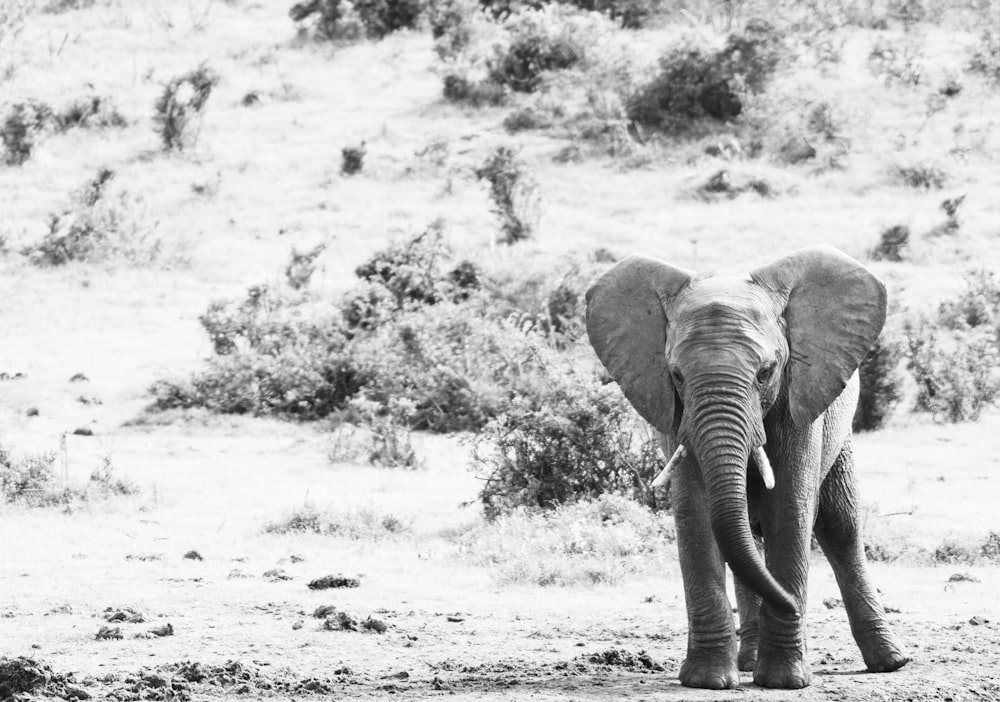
x: 747, y: 659
x: 710, y: 670
x: 784, y: 674
x: 884, y: 657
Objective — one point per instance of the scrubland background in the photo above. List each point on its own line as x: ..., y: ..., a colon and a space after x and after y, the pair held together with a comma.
x: 292, y: 298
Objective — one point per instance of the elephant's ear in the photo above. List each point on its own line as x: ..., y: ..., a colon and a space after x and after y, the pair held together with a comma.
x: 835, y: 310
x: 627, y: 326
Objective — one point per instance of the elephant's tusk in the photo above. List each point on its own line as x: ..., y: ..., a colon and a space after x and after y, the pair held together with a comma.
x: 764, y: 466
x: 664, y: 475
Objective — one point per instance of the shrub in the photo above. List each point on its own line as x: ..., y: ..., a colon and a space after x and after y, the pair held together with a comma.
x: 593, y: 541
x: 985, y: 57
x: 694, y: 83
x: 955, y: 372
x: 378, y: 17
x: 22, y: 129
x: 273, y: 355
x: 408, y: 274
x: 382, y: 17
x: 456, y: 367
x: 100, y: 226
x: 515, y: 194
x: 179, y: 108
x: 476, y: 93
x: 452, y: 25
x: 28, y: 478
x: 880, y: 384
x: 539, y: 41
x: 891, y: 244
x: 570, y: 437
x: 977, y: 306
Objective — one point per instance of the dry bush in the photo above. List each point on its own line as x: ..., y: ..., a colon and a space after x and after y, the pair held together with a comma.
x: 569, y: 438
x: 89, y: 112
x: 178, y: 110
x: 515, y: 194
x: 31, y: 480
x: 955, y: 370
x: 694, y: 83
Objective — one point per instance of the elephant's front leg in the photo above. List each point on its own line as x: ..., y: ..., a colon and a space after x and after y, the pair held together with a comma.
x: 787, y: 516
x: 711, y: 651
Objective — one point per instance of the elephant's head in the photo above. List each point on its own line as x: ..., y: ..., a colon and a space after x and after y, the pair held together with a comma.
x: 704, y: 359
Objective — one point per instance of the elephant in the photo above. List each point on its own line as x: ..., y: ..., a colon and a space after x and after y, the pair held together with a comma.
x: 753, y: 369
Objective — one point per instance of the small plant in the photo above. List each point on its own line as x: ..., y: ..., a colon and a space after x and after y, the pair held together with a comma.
x: 891, y: 244
x: 301, y: 267
x: 515, y: 194
x: 359, y: 524
x: 927, y: 177
x: 22, y: 129
x: 391, y: 442
x: 880, y: 385
x: 89, y: 112
x: 178, y: 110
x: 352, y: 159
x: 895, y: 64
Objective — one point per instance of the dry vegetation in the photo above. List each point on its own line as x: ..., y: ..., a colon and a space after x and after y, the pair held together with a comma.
x: 296, y: 288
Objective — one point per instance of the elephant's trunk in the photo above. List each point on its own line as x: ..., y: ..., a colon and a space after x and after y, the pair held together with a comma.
x: 721, y: 437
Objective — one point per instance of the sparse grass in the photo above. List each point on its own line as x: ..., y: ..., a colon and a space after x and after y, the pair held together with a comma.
x: 30, y: 479
x: 365, y: 524
x: 102, y: 225
x: 600, y: 541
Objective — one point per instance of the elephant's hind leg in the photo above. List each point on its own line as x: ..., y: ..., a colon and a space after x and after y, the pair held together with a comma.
x: 838, y: 531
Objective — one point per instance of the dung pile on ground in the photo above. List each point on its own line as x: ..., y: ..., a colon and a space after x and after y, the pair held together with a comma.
x: 621, y: 658
x: 241, y: 678
x: 20, y: 676
x: 329, y: 581
x: 342, y: 621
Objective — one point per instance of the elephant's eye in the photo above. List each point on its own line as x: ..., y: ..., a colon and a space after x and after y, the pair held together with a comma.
x: 765, y: 372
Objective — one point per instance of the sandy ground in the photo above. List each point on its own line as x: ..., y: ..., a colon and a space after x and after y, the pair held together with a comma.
x: 451, y: 630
